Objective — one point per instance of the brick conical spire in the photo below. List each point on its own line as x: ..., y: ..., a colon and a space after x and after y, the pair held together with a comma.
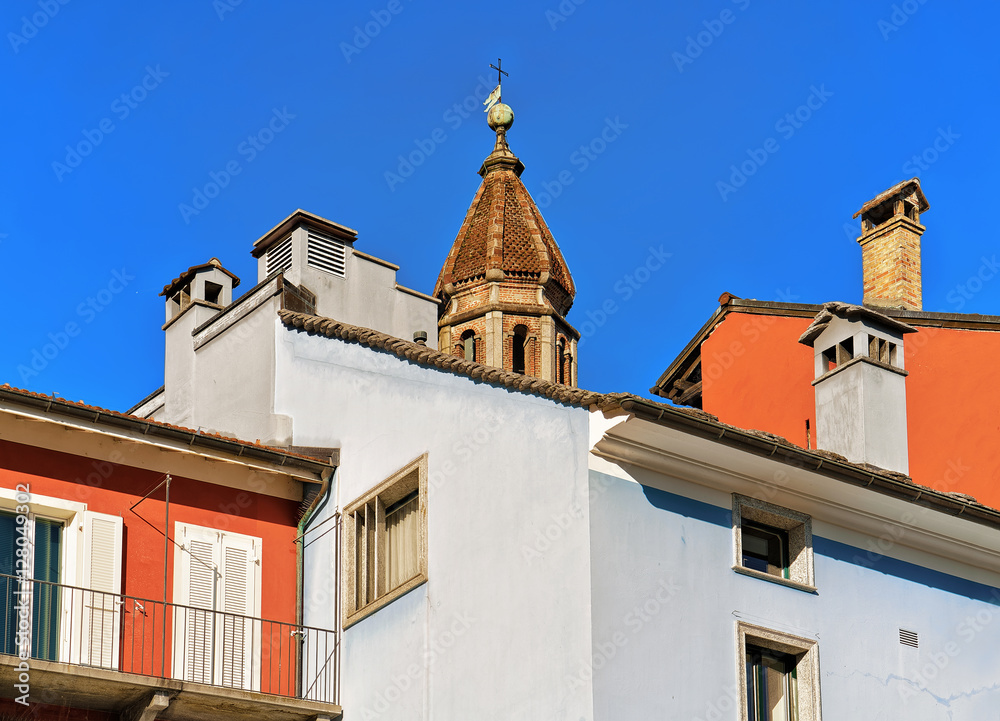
x: 505, y: 287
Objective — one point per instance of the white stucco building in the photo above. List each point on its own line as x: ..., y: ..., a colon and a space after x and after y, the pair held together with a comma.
x: 498, y: 545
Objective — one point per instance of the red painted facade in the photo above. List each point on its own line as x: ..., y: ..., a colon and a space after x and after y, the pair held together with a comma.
x: 146, y: 629
x: 112, y: 489
x: 755, y: 374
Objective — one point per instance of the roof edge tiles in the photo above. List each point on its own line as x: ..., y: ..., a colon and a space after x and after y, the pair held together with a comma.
x: 77, y: 410
x: 829, y: 464
x: 424, y: 355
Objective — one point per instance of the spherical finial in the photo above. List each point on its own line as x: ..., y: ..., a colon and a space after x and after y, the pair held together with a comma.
x: 500, y: 116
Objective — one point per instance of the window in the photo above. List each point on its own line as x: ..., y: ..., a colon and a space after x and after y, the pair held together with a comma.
x: 469, y: 345
x: 77, y: 625
x: 773, y: 543
x: 563, y: 361
x: 519, y: 340
x: 385, y: 542
x: 780, y: 675
x: 40, y: 542
x: 765, y: 549
x: 217, y: 589
x: 772, y: 685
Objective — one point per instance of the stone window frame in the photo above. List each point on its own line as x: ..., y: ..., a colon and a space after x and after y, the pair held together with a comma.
x: 806, y: 652
x: 797, y: 525
x: 411, y: 477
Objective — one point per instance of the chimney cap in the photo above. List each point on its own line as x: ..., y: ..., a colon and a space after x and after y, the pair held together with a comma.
x: 185, y: 277
x: 907, y: 187
x: 420, y: 337
x: 851, y: 313
x: 310, y: 220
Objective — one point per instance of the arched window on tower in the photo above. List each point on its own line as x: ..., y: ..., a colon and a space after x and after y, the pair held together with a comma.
x: 469, y: 345
x: 520, y: 340
x: 561, y: 360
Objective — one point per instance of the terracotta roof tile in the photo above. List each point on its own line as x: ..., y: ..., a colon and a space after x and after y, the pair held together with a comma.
x: 424, y: 355
x: 504, y: 230
x: 185, y: 277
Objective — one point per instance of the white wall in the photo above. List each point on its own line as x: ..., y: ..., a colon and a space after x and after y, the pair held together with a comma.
x: 220, y: 380
x: 234, y: 379
x: 677, y: 658
x: 501, y: 624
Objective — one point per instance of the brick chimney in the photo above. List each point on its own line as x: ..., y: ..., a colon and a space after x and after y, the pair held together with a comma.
x: 890, y: 246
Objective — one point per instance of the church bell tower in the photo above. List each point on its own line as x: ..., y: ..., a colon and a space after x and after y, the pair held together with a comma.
x: 505, y: 289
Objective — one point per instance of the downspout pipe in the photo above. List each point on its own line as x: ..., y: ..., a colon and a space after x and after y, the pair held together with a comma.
x: 300, y: 547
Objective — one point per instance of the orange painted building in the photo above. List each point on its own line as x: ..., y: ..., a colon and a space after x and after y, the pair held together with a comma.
x: 170, y: 623
x: 748, y: 367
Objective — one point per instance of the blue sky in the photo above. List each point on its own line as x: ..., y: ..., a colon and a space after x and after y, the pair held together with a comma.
x: 678, y: 150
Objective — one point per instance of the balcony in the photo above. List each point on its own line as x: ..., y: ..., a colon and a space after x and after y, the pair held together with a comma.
x: 150, y: 659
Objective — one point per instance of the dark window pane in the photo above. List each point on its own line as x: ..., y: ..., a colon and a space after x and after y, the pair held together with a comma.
x: 765, y: 549
x: 771, y: 686
x: 45, y: 602
x: 8, y: 547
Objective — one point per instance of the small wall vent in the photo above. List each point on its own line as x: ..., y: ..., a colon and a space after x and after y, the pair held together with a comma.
x: 326, y: 254
x: 909, y: 638
x: 279, y: 256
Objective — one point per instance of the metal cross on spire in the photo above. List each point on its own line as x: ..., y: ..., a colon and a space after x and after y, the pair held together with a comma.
x: 494, y: 97
x: 500, y: 72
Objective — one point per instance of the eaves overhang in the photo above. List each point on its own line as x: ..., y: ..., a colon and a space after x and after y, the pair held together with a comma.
x: 830, y: 465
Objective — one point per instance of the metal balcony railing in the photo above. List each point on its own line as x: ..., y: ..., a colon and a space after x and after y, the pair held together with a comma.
x: 78, y: 626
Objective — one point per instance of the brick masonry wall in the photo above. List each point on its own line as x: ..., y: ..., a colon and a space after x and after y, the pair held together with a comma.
x: 475, y: 297
x: 891, y: 268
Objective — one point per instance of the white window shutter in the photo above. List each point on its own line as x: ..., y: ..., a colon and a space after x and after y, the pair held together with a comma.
x: 217, y: 581
x: 239, y: 558
x: 195, y: 592
x: 100, y: 615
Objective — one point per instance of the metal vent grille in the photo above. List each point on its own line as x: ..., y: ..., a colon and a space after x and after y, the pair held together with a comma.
x: 326, y: 254
x: 279, y: 256
x: 909, y: 638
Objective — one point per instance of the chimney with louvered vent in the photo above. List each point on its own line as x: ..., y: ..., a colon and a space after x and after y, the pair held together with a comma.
x: 318, y: 257
x: 309, y: 252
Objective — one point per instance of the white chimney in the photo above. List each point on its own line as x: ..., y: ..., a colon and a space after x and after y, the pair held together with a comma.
x: 196, y: 296
x: 860, y: 385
